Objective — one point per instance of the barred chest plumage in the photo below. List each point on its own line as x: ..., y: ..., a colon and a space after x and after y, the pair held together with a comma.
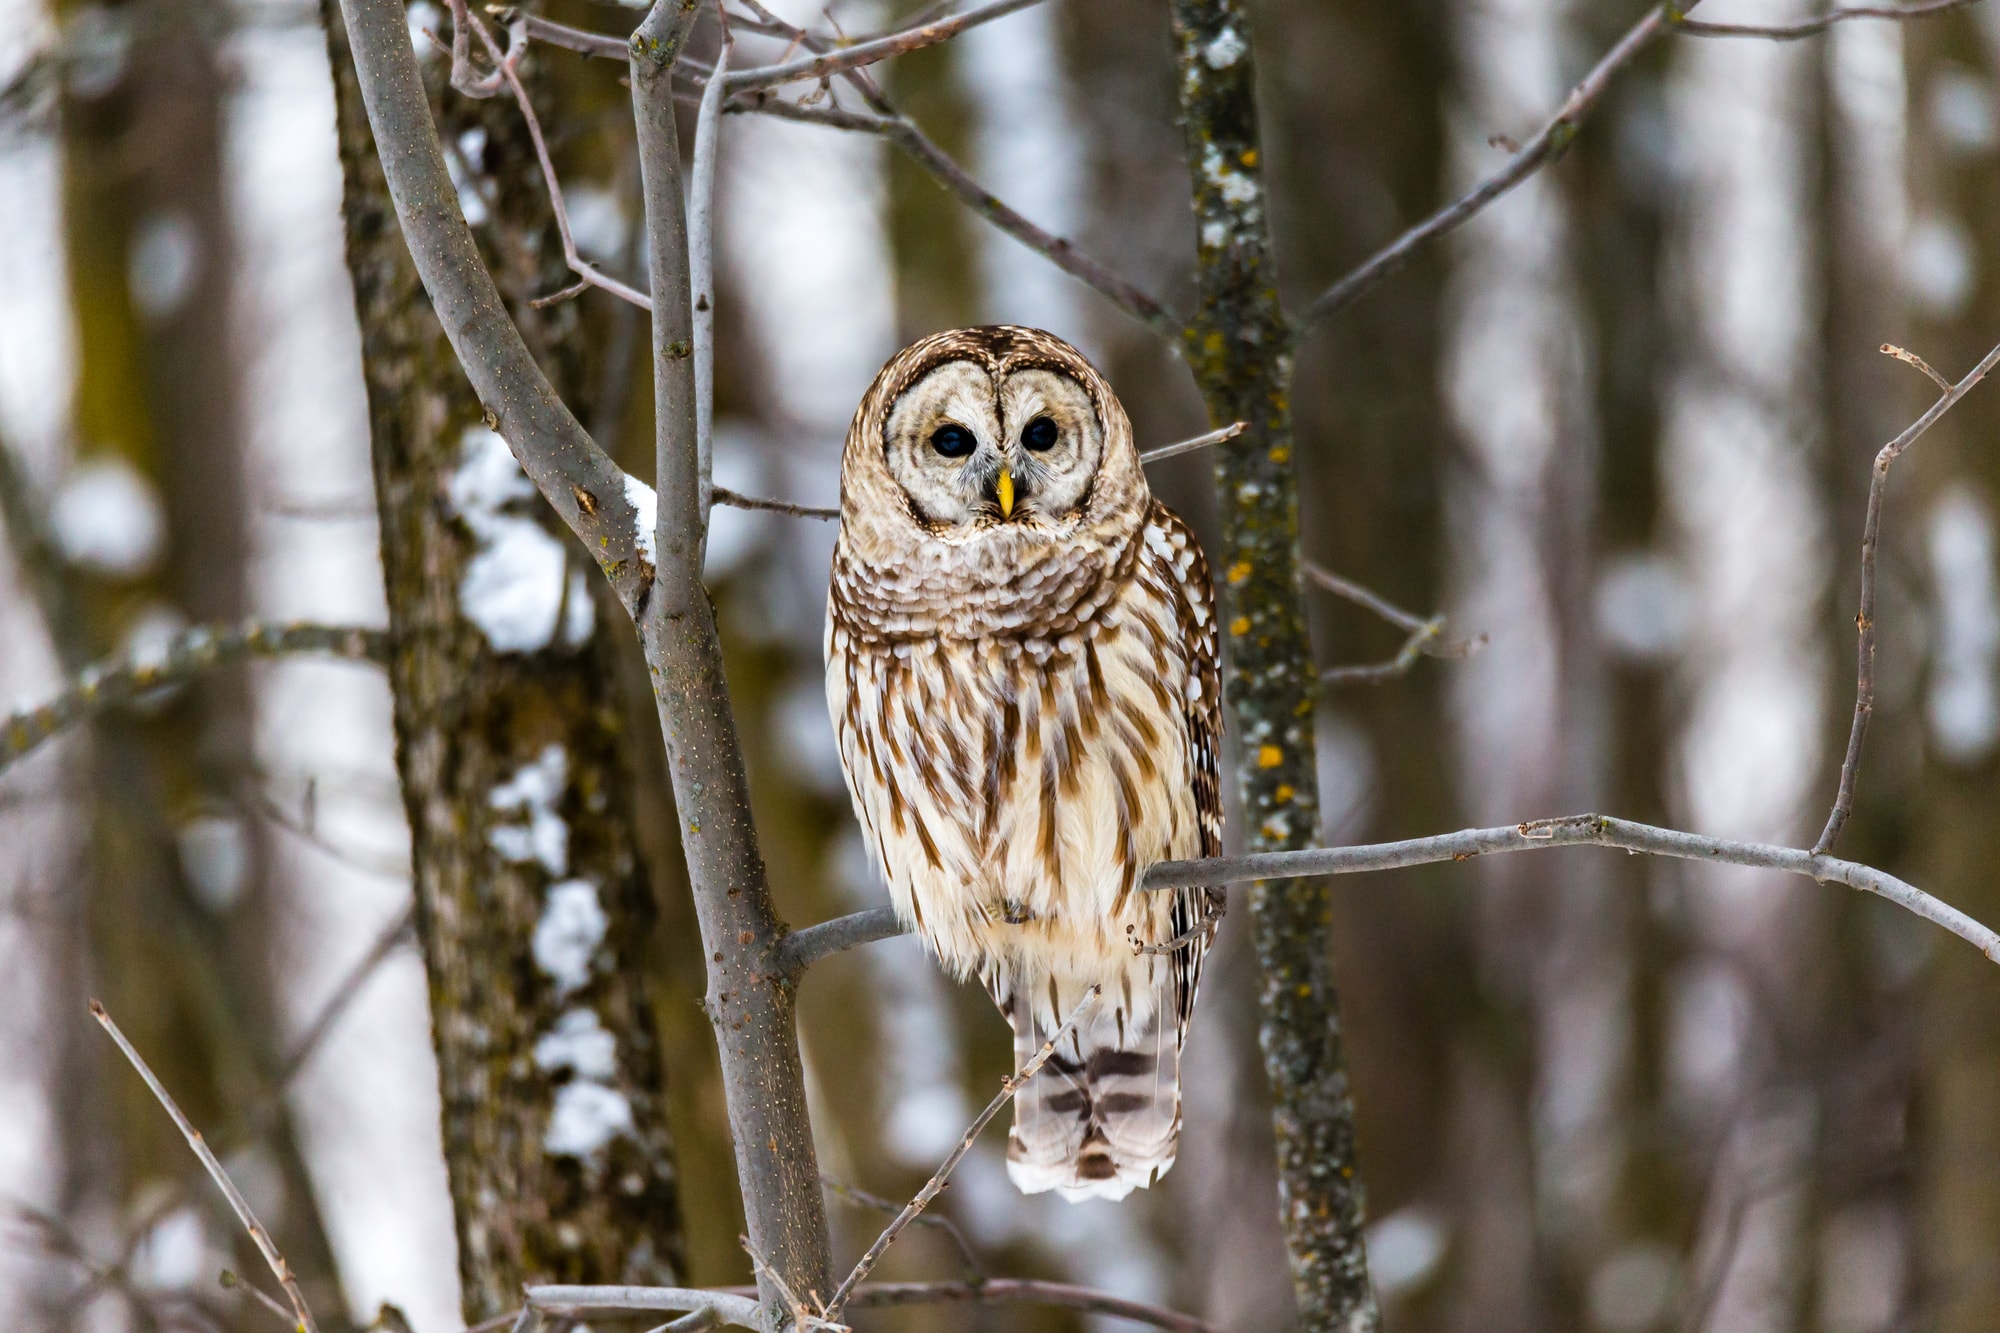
x: 1015, y: 786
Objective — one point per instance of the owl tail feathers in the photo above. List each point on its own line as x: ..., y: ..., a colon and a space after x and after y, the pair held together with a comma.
x: 1103, y: 1116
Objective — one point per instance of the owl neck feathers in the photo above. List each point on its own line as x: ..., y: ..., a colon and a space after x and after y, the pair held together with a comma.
x: 1010, y: 581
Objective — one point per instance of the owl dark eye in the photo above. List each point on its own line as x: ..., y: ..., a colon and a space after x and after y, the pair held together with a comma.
x: 1040, y: 434
x: 953, y: 441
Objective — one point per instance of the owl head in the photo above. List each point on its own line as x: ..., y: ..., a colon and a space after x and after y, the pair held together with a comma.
x: 992, y: 465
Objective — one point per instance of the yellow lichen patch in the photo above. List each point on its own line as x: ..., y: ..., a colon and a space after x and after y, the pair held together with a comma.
x: 1284, y: 793
x: 1281, y: 455
x: 1239, y: 572
x: 1269, y: 756
x: 1240, y: 625
x: 1249, y: 158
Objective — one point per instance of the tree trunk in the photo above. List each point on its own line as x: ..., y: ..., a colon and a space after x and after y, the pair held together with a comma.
x: 1240, y: 348
x: 534, y: 912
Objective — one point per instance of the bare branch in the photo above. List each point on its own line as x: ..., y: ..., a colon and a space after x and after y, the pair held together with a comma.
x: 1864, y: 622
x: 701, y: 269
x: 1791, y: 32
x: 1229, y: 432
x: 1366, y: 598
x: 508, y: 72
x: 1572, y: 831
x: 1547, y: 145
x: 887, y: 122
x: 935, y: 1185
x: 805, y: 947
x: 598, y: 45
x: 749, y: 1002
x: 187, y: 655
x: 974, y: 1272
x: 586, y: 1302
x: 258, y: 1235
x: 1567, y: 831
x: 738, y: 500
x: 827, y: 64
x: 1424, y: 637
x: 578, y: 479
x: 1908, y: 357
x: 1023, y: 1291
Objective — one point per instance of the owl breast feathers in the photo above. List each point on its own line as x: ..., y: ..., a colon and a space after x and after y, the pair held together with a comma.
x: 1022, y: 672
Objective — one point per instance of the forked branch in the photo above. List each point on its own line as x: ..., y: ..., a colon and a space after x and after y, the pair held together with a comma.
x: 1864, y: 622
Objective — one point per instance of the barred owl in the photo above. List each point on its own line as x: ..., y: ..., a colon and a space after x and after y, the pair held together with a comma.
x: 1021, y: 668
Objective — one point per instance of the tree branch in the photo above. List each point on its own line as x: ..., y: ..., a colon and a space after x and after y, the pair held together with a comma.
x: 1791, y: 32
x: 187, y: 655
x: 805, y: 947
x: 1179, y: 447
x: 749, y: 999
x: 1023, y: 1291
x: 1424, y: 637
x: 589, y: 1302
x: 906, y: 135
x: 1547, y: 145
x: 845, y: 58
x: 1573, y: 831
x: 577, y: 478
x: 1864, y: 622
x: 262, y: 1239
x: 1587, y: 830
x: 701, y: 265
x: 935, y: 1185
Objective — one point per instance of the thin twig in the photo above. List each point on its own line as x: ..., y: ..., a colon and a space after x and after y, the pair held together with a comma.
x: 1229, y: 432
x: 935, y: 1185
x: 1907, y: 357
x: 575, y: 1302
x: 803, y: 948
x: 1547, y: 145
x: 1424, y: 638
x: 1812, y: 27
x: 851, y: 57
x: 1024, y: 1291
x: 701, y: 267
x: 802, y: 1317
x: 906, y: 135
x: 738, y: 500
x: 974, y: 1271
x: 258, y: 1235
x: 1365, y: 598
x: 1200, y: 930
x: 187, y: 655
x: 1864, y: 622
x: 517, y: 42
x: 235, y: 1281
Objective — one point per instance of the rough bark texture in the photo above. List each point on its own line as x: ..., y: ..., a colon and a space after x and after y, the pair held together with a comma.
x: 560, y: 1164
x: 1239, y: 345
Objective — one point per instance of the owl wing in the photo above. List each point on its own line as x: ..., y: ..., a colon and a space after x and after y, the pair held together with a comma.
x: 1179, y: 560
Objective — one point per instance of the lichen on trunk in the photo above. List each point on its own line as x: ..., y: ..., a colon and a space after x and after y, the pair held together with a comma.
x: 1239, y: 345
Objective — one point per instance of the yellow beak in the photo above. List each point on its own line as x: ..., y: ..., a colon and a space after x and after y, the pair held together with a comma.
x: 1005, y: 490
